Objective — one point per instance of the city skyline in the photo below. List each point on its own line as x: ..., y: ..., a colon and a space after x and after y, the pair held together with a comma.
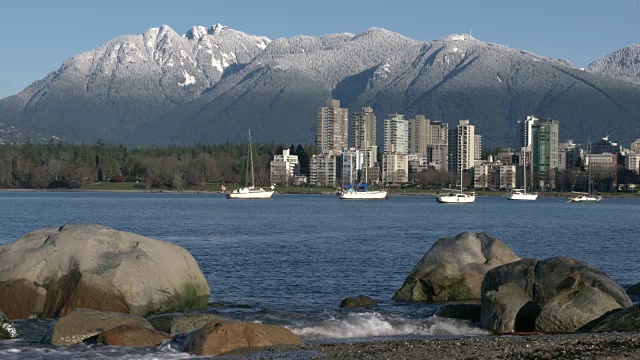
x: 73, y: 27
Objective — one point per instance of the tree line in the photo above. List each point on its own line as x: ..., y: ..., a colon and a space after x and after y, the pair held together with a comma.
x: 57, y: 165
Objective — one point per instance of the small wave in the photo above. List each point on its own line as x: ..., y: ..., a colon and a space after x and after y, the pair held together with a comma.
x: 373, y: 324
x: 82, y: 351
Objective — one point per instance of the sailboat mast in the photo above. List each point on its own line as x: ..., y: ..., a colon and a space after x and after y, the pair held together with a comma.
x: 589, y: 169
x: 461, y: 177
x: 524, y: 168
x: 251, y: 157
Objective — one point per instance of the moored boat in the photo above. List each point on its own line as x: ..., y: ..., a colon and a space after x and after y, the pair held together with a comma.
x: 456, y: 198
x: 521, y: 194
x: 352, y: 194
x: 250, y: 192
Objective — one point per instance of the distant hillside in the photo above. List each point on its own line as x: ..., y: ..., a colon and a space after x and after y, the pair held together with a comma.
x: 210, y: 85
x: 623, y: 64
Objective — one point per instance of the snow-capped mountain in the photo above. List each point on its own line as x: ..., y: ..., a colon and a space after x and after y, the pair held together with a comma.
x: 110, y: 91
x: 210, y: 85
x: 454, y: 78
x: 623, y: 64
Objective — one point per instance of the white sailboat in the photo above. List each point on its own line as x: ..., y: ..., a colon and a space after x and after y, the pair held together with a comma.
x: 521, y: 194
x: 250, y: 192
x: 361, y: 191
x: 457, y: 198
x: 586, y: 197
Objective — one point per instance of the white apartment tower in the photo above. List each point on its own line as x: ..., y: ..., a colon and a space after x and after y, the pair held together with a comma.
x: 396, y: 135
x: 284, y: 168
x: 461, y: 147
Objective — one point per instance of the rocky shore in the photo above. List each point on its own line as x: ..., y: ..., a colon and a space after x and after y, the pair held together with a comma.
x: 536, y: 347
x: 111, y: 288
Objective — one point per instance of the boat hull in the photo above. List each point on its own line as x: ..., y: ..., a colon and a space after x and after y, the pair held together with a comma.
x: 250, y: 195
x: 456, y: 199
x: 585, y: 199
x: 524, y: 197
x: 362, y: 195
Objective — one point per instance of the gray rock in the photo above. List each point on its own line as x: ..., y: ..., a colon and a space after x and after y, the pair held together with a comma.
x: 555, y: 275
x: 182, y: 324
x: 162, y: 322
x: 563, y: 295
x: 504, y: 310
x: 360, y: 301
x: 7, y: 331
x: 454, y: 267
x: 187, y: 323
x: 571, y: 310
x: 634, y: 290
x: 82, y: 324
x: 51, y: 271
x: 617, y: 320
x: 470, y: 312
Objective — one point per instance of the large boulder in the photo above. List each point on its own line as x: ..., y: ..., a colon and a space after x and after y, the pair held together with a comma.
x: 132, y: 336
x: 454, y: 267
x: 51, y: 271
x: 634, y: 290
x: 218, y: 338
x: 617, y: 320
x: 82, y: 324
x: 360, y: 301
x: 554, y: 295
x: 7, y: 331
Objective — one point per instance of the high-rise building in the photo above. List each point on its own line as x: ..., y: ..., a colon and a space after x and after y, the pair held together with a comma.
x: 332, y: 139
x: 544, y: 149
x: 635, y: 146
x: 461, y: 147
x: 364, y: 139
x: 284, y: 168
x: 333, y: 128
x: 568, y: 155
x: 477, y: 147
x: 396, y: 134
x: 364, y: 129
x: 429, y: 138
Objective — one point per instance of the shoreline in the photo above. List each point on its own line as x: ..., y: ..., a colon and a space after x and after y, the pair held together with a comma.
x: 563, y: 346
x: 285, y: 192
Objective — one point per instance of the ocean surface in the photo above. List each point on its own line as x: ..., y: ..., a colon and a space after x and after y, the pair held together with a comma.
x: 292, y: 259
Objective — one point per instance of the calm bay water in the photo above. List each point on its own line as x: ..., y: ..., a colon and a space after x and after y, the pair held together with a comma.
x: 293, y: 258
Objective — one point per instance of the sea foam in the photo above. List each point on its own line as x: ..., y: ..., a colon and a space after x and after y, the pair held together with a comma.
x: 373, y: 324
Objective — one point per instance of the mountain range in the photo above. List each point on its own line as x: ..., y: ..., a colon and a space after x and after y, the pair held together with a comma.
x: 210, y: 85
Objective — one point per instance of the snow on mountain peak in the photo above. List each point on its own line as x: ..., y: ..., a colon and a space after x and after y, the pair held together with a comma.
x: 459, y: 37
x: 196, y: 32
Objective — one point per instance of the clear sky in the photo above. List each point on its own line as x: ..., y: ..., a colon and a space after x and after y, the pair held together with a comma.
x: 36, y: 36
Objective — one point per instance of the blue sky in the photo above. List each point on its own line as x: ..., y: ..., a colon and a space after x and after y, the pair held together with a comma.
x: 37, y: 36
